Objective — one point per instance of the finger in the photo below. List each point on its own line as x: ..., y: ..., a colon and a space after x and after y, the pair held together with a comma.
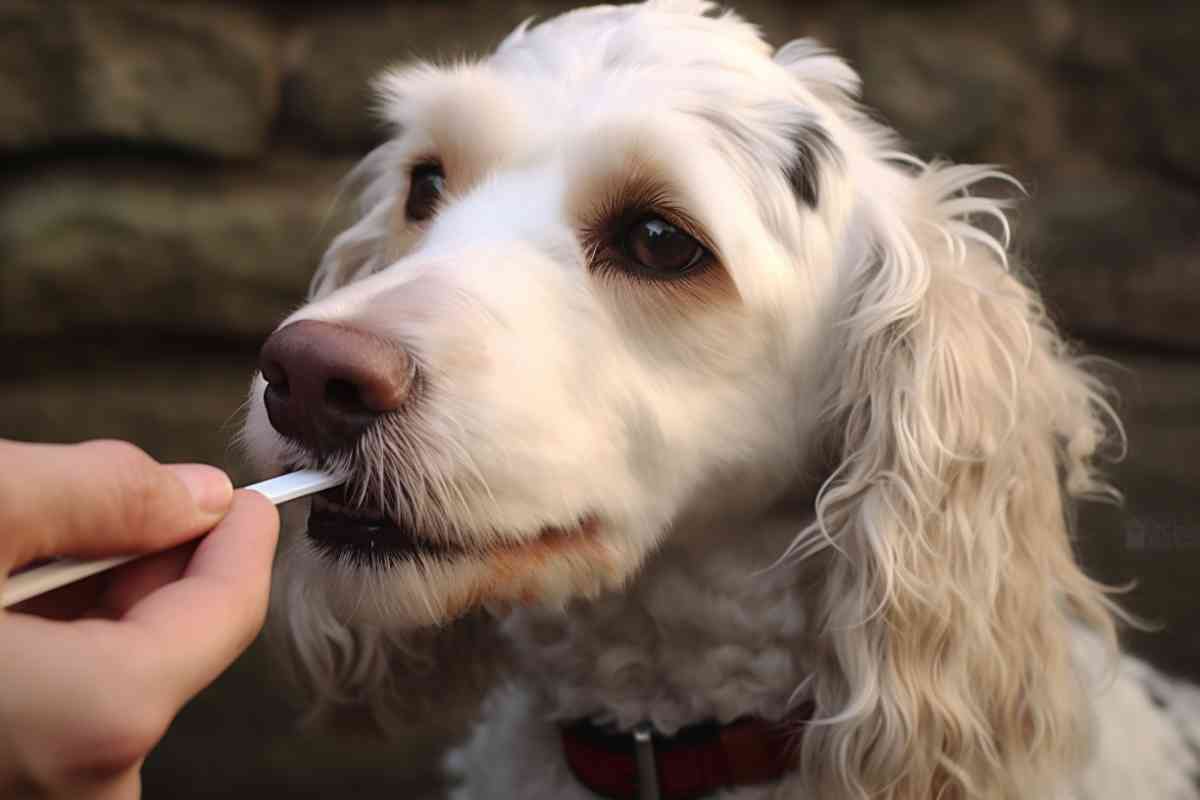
x: 67, y: 602
x: 74, y: 700
x: 131, y: 583
x: 110, y: 594
x: 111, y: 687
x: 199, y: 624
x: 101, y: 498
x: 98, y: 781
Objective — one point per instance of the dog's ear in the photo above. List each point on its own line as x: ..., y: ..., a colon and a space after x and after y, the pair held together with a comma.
x: 949, y: 592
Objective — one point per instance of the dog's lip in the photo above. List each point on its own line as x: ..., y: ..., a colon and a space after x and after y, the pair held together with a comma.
x: 341, y: 527
x: 336, y: 523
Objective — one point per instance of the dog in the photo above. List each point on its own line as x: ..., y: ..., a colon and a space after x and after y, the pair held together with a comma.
x: 652, y: 346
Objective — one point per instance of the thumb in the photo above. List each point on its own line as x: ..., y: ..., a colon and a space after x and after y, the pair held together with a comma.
x: 100, y: 498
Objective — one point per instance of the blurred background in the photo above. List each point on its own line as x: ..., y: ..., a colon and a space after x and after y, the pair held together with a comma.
x: 169, y: 180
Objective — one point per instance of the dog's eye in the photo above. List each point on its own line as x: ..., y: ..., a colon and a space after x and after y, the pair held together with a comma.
x: 425, y: 187
x: 661, y: 248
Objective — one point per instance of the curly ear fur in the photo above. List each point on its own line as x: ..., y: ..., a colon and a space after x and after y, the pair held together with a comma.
x: 949, y: 589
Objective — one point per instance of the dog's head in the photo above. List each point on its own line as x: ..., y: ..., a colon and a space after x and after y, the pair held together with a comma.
x: 634, y: 275
x: 589, y: 293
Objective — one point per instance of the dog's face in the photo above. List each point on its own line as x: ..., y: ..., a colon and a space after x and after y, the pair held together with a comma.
x: 589, y: 292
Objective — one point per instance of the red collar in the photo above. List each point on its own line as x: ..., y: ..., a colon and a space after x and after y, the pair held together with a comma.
x: 698, y: 760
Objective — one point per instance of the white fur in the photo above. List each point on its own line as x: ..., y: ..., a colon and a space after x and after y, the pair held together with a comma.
x: 833, y: 475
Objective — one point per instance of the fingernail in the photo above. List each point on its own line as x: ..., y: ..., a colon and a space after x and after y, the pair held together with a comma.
x: 210, y: 487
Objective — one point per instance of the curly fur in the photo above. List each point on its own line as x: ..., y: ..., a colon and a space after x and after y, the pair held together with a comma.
x: 945, y: 615
x: 839, y: 467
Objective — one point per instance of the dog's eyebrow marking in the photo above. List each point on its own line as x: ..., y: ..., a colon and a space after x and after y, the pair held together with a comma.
x: 812, y: 145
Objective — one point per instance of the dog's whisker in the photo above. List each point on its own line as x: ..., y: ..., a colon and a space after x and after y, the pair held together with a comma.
x: 463, y: 456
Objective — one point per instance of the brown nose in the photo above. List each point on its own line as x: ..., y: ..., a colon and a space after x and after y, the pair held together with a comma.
x: 326, y: 383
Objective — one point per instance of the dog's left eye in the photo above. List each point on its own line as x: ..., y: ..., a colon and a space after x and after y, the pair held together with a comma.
x: 661, y: 248
x: 425, y: 186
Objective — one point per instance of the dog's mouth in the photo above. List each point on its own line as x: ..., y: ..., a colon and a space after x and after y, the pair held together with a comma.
x: 360, y: 532
x: 364, y: 533
x: 442, y: 569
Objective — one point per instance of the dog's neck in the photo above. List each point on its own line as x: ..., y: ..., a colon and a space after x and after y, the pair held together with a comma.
x: 709, y: 630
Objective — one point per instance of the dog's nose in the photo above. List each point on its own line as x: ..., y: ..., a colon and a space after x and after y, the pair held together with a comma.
x: 326, y: 383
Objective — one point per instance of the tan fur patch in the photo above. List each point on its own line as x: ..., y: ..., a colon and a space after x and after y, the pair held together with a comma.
x: 629, y: 174
x: 525, y: 573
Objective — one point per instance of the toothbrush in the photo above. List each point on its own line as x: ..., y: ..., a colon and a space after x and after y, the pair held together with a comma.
x: 63, y: 571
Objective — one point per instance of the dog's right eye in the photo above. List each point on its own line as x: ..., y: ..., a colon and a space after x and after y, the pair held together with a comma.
x: 425, y: 186
x: 661, y: 249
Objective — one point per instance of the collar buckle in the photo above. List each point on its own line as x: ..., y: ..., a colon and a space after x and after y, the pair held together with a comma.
x: 647, y: 770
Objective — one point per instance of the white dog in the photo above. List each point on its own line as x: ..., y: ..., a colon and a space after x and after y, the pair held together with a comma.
x: 653, y: 344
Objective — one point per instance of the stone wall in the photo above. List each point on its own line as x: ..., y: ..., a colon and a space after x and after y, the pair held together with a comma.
x: 157, y: 152
x: 170, y: 177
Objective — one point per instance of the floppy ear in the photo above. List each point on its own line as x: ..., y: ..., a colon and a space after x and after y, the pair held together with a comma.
x: 949, y: 592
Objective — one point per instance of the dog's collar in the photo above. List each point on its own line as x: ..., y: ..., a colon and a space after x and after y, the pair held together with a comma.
x: 698, y: 760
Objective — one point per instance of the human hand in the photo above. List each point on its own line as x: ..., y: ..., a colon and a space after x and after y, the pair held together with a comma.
x: 93, y: 673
